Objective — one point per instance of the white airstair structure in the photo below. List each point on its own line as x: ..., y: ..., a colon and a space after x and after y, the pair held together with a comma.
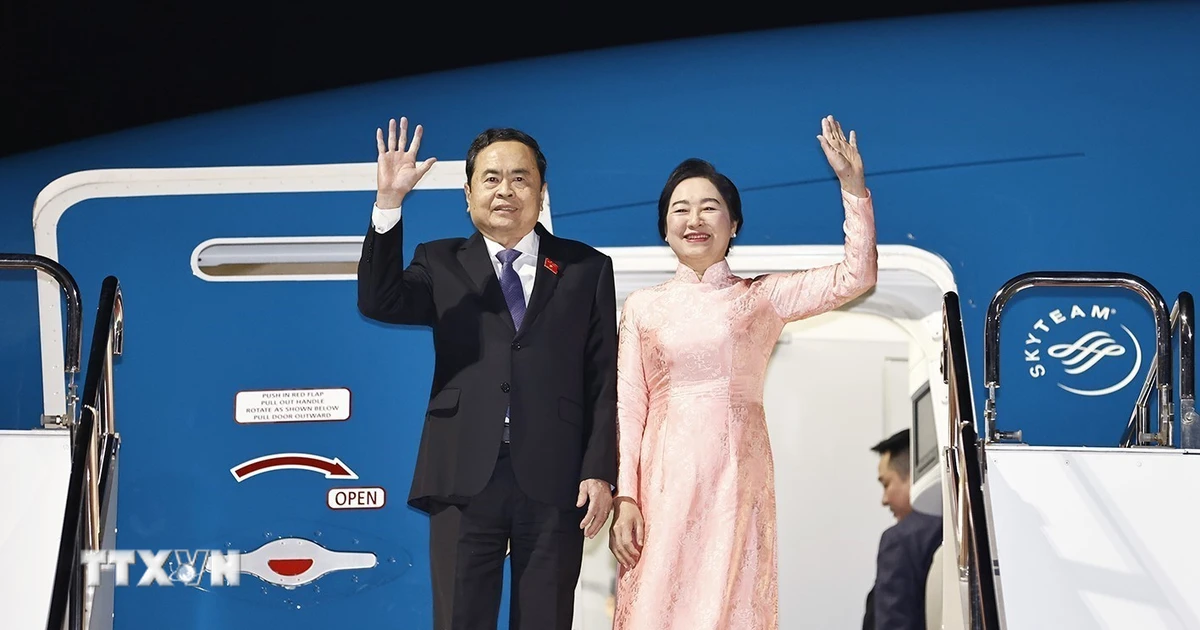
x: 59, y: 486
x: 1070, y: 538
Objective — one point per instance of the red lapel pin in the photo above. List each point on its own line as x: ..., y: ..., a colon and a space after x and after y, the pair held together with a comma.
x: 552, y: 266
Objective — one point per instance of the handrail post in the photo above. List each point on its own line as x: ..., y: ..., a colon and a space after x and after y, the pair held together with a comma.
x: 92, y: 436
x: 116, y: 346
x: 1137, y: 430
x: 1189, y: 421
x: 976, y: 563
x: 74, y: 351
x: 1162, y: 329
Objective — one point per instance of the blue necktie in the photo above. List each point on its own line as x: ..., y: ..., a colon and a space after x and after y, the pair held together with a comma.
x: 510, y: 285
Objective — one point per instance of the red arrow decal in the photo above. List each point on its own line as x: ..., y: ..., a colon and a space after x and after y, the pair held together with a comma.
x: 333, y: 468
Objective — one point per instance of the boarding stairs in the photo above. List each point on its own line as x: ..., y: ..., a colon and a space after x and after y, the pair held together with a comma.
x: 1072, y: 538
x: 60, y: 496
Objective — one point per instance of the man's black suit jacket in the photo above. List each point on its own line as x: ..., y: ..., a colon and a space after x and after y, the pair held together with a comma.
x: 558, y: 373
x: 897, y: 602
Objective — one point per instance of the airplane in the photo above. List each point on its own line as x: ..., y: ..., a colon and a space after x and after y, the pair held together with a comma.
x: 193, y: 321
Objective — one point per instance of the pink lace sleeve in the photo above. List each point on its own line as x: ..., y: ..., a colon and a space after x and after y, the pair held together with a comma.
x: 800, y: 294
x: 632, y: 402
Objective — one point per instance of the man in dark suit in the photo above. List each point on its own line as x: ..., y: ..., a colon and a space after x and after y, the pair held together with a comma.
x: 906, y: 549
x: 520, y: 433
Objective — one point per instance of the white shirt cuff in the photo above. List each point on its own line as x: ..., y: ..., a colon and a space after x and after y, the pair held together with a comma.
x: 384, y: 220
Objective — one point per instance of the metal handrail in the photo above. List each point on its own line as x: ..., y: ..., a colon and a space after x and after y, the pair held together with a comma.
x: 93, y: 447
x: 1183, y: 314
x: 1189, y: 420
x: 976, y: 565
x: 73, y: 356
x: 1162, y: 329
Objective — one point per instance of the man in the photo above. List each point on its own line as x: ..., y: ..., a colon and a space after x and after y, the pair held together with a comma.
x: 520, y: 429
x: 897, y: 601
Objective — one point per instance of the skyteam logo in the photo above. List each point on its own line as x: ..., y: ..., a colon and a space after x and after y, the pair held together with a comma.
x: 1084, y: 352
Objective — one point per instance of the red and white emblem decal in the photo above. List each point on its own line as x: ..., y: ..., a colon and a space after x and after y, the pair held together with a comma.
x: 292, y: 562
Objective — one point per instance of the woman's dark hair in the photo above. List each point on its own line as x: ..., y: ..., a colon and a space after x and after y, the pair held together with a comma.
x: 695, y: 167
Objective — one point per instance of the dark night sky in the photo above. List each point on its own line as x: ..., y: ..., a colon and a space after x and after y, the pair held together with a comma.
x: 78, y: 69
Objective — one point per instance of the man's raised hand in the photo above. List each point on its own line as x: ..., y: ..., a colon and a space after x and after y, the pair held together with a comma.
x: 398, y: 171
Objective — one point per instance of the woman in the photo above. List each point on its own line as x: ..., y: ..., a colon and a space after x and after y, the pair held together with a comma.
x: 694, y: 524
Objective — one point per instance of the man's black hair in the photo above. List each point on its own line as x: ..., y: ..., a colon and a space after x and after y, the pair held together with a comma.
x: 897, y: 447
